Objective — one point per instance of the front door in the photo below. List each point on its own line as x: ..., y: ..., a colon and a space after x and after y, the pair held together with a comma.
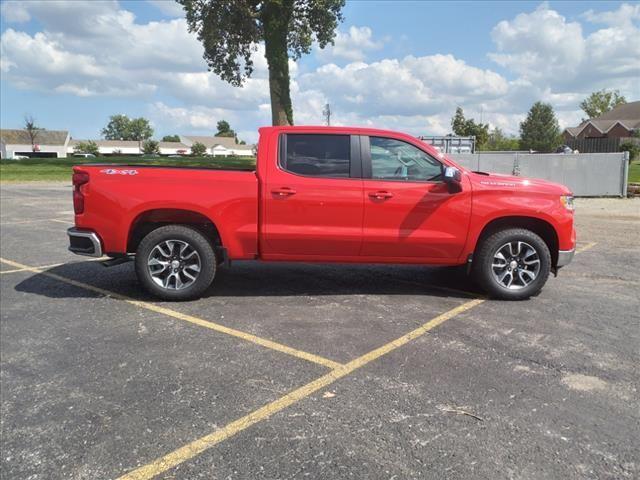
x: 409, y: 211
x: 313, y: 197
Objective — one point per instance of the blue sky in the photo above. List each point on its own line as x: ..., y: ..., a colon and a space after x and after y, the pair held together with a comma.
x: 400, y: 65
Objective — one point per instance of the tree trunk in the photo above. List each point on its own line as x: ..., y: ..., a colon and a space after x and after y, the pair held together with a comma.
x: 276, y: 15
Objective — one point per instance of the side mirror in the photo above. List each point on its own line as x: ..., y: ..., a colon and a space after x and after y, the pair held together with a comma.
x: 453, y: 178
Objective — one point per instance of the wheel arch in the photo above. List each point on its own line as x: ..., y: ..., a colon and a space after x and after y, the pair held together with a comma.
x: 149, y: 220
x: 540, y: 227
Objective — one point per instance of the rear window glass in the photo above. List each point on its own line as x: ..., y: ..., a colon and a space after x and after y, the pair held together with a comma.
x: 318, y: 155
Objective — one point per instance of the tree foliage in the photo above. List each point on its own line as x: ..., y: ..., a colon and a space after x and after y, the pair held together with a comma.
x: 601, y: 102
x: 540, y: 130
x: 498, y: 141
x: 171, y: 138
x: 230, y: 31
x: 468, y: 127
x: 121, y: 127
x: 151, y: 147
x: 198, y: 149
x: 32, y: 130
x: 224, y: 129
x: 633, y: 148
x: 87, y: 147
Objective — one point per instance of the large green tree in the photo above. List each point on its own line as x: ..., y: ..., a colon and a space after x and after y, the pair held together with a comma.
x: 469, y: 128
x: 601, y: 102
x: 230, y: 31
x: 224, y: 129
x: 540, y: 130
x: 121, y: 127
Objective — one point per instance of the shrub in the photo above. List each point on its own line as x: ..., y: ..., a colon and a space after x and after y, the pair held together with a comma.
x: 87, y: 147
x: 633, y: 149
x: 198, y: 149
x: 150, y: 147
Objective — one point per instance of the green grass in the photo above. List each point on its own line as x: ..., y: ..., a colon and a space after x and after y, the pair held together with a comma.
x: 634, y: 172
x: 59, y: 169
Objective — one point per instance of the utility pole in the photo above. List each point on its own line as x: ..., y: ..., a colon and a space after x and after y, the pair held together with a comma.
x: 327, y: 114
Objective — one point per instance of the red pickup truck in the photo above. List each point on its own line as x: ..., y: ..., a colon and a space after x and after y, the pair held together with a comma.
x: 324, y: 194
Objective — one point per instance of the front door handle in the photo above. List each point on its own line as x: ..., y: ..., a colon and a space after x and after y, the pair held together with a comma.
x: 283, y: 192
x: 381, y: 195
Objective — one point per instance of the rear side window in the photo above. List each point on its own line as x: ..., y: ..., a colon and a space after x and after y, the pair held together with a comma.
x: 317, y: 155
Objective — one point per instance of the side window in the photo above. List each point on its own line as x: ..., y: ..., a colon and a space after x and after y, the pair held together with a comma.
x: 397, y: 160
x: 317, y: 155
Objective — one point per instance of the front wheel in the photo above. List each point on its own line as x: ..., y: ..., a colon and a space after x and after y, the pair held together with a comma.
x: 175, y: 262
x: 512, y: 264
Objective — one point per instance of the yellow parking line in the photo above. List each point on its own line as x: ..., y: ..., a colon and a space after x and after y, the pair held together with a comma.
x: 586, y: 247
x: 198, y: 446
x: 27, y: 222
x: 53, y: 265
x: 187, y: 318
x: 24, y: 222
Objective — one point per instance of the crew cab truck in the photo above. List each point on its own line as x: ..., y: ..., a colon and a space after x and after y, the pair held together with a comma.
x: 324, y: 194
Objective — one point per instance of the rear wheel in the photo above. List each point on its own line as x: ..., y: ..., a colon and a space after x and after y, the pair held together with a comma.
x: 175, y: 262
x: 512, y: 264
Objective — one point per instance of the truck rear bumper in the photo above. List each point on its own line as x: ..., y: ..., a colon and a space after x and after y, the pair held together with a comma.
x: 84, y: 242
x: 565, y: 257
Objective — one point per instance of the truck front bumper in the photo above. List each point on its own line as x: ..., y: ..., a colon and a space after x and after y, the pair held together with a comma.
x: 565, y: 257
x: 84, y: 242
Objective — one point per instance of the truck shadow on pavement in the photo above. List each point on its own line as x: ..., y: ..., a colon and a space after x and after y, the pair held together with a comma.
x: 253, y: 279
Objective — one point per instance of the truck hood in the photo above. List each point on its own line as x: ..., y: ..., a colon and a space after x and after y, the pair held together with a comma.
x: 510, y: 182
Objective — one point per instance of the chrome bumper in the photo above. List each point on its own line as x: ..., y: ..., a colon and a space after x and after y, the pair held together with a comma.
x: 84, y: 242
x: 565, y: 257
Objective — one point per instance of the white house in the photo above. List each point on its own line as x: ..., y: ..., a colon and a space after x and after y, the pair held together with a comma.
x: 130, y: 147
x: 219, y: 146
x: 47, y: 143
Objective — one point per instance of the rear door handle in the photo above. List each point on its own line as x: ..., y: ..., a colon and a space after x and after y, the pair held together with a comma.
x: 381, y: 195
x: 283, y: 192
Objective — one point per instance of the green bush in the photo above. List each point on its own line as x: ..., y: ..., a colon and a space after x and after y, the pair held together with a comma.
x: 87, y: 147
x: 633, y: 149
x: 198, y: 149
x: 151, y: 147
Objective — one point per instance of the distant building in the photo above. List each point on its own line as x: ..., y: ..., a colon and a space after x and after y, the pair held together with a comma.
x: 219, y: 146
x: 130, y: 147
x: 48, y: 143
x: 216, y: 146
x: 620, y: 122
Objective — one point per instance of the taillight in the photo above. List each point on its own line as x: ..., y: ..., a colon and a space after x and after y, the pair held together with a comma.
x: 79, y: 179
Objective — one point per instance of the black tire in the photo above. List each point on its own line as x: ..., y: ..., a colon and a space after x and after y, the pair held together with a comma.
x: 483, y: 259
x: 197, y: 242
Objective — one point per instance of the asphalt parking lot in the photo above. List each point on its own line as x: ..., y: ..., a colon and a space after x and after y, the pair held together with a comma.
x: 315, y: 371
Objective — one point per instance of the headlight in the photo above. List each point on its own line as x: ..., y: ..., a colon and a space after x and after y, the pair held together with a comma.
x: 567, y: 202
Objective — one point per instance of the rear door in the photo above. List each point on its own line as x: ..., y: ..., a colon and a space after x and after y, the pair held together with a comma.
x: 313, y: 197
x: 409, y: 212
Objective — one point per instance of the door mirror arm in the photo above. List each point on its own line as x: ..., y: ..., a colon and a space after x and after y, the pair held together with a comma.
x: 453, y: 178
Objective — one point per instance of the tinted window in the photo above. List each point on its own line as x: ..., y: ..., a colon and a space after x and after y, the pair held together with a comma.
x: 318, y: 155
x: 397, y: 160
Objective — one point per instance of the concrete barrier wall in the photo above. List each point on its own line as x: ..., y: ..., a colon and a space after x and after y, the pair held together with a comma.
x: 586, y: 174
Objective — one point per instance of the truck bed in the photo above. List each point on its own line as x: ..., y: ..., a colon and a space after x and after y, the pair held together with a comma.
x: 116, y: 196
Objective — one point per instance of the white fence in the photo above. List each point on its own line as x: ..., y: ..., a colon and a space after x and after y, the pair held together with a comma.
x: 586, y: 174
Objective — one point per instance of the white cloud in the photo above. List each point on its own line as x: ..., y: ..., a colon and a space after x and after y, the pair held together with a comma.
x: 625, y: 15
x: 352, y: 45
x: 170, y: 8
x: 102, y: 49
x: 546, y: 49
x: 14, y: 12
